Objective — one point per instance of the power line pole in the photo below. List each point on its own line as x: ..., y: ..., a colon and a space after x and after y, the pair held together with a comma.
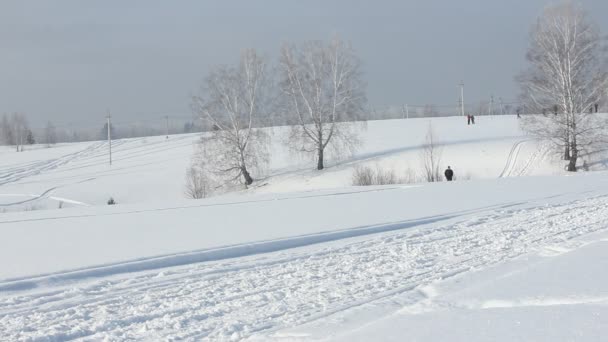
x: 405, y: 111
x: 502, y: 112
x: 167, y: 126
x: 109, y: 117
x: 462, y: 98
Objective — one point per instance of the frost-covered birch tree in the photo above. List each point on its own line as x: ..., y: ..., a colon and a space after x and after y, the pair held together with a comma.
x: 14, y: 130
x: 232, y: 100
x: 323, y: 90
x: 567, y: 73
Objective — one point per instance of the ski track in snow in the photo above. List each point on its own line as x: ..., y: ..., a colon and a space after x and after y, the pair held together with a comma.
x: 15, y: 173
x: 93, y: 155
x: 237, y: 298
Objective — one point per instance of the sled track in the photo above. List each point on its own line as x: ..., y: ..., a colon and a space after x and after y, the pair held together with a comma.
x: 537, y: 156
x: 237, y: 298
x: 512, y: 159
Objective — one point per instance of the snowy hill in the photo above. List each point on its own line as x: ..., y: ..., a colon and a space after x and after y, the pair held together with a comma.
x: 304, y: 255
x: 153, y: 169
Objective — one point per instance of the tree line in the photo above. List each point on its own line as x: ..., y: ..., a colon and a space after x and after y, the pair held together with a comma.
x: 15, y: 130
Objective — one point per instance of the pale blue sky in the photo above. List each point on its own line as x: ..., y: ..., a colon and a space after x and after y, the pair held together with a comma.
x: 69, y: 60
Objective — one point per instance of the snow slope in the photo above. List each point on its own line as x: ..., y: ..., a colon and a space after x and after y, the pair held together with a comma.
x: 346, y: 260
x: 152, y: 169
x: 305, y: 256
x: 556, y: 295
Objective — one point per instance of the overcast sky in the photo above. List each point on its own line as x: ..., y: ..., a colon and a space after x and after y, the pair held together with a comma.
x: 70, y: 60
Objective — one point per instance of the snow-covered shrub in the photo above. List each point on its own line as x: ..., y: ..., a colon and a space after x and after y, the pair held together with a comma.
x: 363, y: 176
x: 367, y: 175
x: 198, y: 183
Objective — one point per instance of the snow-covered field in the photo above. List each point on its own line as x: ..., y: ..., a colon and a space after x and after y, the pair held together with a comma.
x: 152, y: 169
x: 304, y: 255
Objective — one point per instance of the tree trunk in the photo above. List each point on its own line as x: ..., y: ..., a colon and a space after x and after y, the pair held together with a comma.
x: 567, y: 152
x: 320, y: 161
x: 572, y: 163
x: 573, y: 156
x: 247, y: 176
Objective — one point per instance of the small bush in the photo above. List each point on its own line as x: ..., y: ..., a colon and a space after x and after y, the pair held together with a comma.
x: 111, y: 201
x: 366, y: 175
x: 409, y: 177
x: 198, y: 183
x: 386, y: 176
x: 363, y: 176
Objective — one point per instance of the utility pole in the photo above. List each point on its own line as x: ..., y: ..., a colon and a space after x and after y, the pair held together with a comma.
x: 406, y: 111
x: 109, y: 117
x: 462, y: 98
x: 167, y: 126
x: 502, y: 112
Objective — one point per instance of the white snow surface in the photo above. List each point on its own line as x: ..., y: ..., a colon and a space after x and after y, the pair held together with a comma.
x: 306, y: 256
x: 152, y: 169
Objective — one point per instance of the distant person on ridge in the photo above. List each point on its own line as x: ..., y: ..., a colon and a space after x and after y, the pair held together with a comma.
x: 468, y: 119
x: 473, y: 119
x: 449, y: 174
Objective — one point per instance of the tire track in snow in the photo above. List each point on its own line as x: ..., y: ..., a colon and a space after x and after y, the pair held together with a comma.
x: 238, y: 298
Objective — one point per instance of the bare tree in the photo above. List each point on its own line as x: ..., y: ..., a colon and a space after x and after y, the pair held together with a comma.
x: 232, y: 99
x: 324, y: 91
x: 566, y: 77
x: 430, y: 157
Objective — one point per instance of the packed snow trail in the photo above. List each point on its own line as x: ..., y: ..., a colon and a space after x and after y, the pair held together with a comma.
x: 242, y: 297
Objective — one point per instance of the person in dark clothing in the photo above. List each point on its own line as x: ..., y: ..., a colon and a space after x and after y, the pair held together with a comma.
x: 468, y: 119
x: 449, y: 174
x: 473, y: 119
